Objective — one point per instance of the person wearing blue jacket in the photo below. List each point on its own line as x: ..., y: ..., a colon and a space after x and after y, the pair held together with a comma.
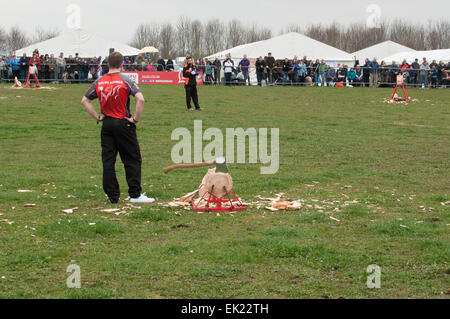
x: 15, y: 66
x: 301, y: 71
x: 434, y: 76
x: 351, y: 76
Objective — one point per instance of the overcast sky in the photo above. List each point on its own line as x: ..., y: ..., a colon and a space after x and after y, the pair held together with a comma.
x: 118, y: 20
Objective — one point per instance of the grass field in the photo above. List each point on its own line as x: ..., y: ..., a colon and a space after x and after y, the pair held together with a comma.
x: 396, y: 158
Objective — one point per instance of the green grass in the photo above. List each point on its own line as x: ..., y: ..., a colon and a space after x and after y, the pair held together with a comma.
x: 394, y: 157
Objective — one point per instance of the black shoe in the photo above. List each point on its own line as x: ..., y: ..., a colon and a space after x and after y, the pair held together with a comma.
x: 113, y: 201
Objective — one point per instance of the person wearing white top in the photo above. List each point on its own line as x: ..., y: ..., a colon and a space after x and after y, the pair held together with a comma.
x: 228, y: 66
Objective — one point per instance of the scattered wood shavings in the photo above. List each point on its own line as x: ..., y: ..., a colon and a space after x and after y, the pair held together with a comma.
x: 335, y: 219
x: 25, y: 191
x: 29, y: 205
x: 184, y: 201
x: 112, y: 210
x: 70, y: 210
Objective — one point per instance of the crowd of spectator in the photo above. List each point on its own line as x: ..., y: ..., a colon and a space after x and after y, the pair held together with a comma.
x: 268, y: 70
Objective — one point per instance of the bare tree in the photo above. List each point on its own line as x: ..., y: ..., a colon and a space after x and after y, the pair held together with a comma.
x: 183, y: 35
x: 349, y: 38
x: 255, y: 33
x: 235, y: 33
x: 196, y: 38
x: 214, y: 38
x: 146, y: 35
x: 199, y: 39
x: 3, y: 40
x: 291, y: 27
x: 438, y: 35
x: 16, y: 39
x: 411, y: 35
x: 167, y: 38
x: 41, y: 34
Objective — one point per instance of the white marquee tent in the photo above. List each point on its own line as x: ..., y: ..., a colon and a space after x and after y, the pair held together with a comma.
x: 287, y: 46
x: 380, y: 50
x: 78, y: 41
x: 438, y: 55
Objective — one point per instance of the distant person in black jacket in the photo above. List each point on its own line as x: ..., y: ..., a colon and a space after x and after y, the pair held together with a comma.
x: 190, y: 74
x: 161, y: 64
x: 169, y: 65
x: 260, y: 68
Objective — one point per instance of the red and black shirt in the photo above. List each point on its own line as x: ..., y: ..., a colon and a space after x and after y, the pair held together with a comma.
x: 113, y: 91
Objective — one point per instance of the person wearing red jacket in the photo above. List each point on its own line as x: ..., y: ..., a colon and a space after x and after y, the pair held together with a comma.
x: 404, y: 69
x: 35, y: 61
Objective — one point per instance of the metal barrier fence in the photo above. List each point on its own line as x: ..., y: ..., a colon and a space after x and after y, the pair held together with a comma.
x: 362, y: 76
x: 89, y: 71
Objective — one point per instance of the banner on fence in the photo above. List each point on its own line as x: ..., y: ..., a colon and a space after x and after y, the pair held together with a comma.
x: 156, y: 77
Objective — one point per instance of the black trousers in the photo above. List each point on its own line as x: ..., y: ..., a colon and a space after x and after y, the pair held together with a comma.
x: 227, y: 78
x: 191, y: 93
x: 119, y: 136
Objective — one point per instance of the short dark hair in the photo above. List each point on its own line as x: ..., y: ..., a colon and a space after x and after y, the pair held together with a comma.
x: 115, y: 60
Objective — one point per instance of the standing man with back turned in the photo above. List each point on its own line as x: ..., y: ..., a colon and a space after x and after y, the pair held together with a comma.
x: 119, y: 129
